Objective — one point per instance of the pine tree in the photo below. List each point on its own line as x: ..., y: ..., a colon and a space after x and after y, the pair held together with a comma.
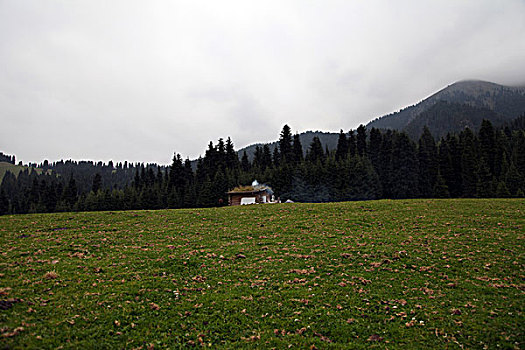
x: 513, y: 180
x: 285, y: 144
x: 70, y: 195
x: 404, y: 175
x: 315, y: 152
x: 258, y: 158
x: 484, y: 187
x: 487, y: 144
x: 502, y: 191
x: 342, y: 146
x: 352, y: 148
x: 245, y: 163
x: 4, y: 203
x: 297, y: 149
x: 266, y: 157
x: 97, y: 183
x: 232, y: 159
x: 374, y: 148
x: 361, y: 140
x: 440, y: 187
x: 469, y: 164
x: 428, y: 165
x: 276, y: 157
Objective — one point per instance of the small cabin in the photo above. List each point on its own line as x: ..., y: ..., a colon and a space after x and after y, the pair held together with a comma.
x: 250, y: 195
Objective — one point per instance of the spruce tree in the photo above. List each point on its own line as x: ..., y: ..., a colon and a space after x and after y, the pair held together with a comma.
x: 285, y: 144
x: 342, y: 146
x: 374, y: 148
x: 440, y: 187
x: 487, y: 144
x: 315, y: 152
x: 361, y: 140
x: 4, y: 203
x: 266, y: 157
x: 97, y: 183
x: 469, y: 164
x: 297, y: 149
x: 245, y: 163
x: 404, y: 174
x: 352, y: 148
x: 428, y: 164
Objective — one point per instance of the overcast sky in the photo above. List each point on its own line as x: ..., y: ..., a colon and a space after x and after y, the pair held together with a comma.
x: 139, y: 80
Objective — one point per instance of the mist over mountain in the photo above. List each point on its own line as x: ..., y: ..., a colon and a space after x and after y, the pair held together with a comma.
x: 462, y: 104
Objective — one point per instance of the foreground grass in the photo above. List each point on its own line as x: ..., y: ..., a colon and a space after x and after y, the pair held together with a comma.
x: 389, y: 274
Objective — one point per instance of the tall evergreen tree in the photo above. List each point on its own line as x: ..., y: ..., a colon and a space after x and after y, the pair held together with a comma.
x: 374, y: 148
x: 428, y: 164
x: 285, y: 144
x: 361, y: 140
x: 315, y: 152
x: 487, y: 144
x: 266, y: 157
x: 342, y: 146
x: 352, y: 148
x: 232, y: 159
x: 245, y: 163
x: 297, y: 148
x: 469, y: 163
x: 404, y: 167
x: 97, y: 183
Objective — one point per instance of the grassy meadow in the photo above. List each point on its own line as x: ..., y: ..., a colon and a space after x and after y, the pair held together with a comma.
x: 384, y: 274
x: 15, y: 169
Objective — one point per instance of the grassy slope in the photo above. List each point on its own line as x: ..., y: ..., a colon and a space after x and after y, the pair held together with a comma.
x: 395, y: 274
x: 15, y: 169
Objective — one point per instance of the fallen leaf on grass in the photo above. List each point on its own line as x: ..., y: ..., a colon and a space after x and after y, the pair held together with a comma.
x: 51, y: 275
x: 323, y: 338
x: 13, y: 333
x: 375, y: 337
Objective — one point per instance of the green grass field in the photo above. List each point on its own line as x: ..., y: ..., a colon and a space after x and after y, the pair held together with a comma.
x: 386, y: 274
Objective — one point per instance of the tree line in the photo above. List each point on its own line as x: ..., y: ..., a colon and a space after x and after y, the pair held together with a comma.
x: 366, y: 164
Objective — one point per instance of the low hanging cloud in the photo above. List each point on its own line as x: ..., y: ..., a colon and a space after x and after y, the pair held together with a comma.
x: 129, y: 80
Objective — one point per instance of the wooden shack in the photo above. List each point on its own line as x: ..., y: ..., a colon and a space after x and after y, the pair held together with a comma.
x: 250, y: 195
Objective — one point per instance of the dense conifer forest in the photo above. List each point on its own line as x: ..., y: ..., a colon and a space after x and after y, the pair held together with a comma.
x: 366, y: 164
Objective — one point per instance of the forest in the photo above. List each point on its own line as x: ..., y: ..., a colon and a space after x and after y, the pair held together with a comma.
x: 366, y: 165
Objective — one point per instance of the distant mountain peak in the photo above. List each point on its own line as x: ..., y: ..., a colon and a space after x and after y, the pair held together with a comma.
x: 505, y: 102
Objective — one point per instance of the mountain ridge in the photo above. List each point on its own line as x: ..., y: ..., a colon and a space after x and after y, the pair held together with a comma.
x: 473, y: 99
x: 507, y: 101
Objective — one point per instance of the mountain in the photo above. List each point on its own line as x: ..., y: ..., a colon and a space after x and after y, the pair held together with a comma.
x: 460, y: 105
x: 467, y: 103
x: 444, y: 117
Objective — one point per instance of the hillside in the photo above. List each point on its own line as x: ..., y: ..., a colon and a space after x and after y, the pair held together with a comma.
x: 15, y: 169
x: 506, y: 102
x: 444, y: 117
x: 410, y: 274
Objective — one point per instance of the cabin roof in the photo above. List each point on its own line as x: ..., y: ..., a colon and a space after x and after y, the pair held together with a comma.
x: 248, y: 192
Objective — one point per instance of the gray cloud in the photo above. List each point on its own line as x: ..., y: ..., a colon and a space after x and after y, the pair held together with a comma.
x: 136, y: 80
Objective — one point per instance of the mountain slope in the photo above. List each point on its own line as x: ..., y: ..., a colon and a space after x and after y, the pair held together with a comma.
x: 444, y: 117
x: 462, y: 104
x: 507, y: 102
